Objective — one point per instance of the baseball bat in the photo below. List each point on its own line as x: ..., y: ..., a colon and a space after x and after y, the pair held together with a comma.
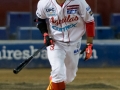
x: 24, y: 63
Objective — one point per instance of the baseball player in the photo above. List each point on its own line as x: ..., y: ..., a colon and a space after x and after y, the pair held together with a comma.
x: 63, y: 23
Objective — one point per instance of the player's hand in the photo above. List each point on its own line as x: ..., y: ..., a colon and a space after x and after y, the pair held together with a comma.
x: 47, y: 40
x: 88, y: 50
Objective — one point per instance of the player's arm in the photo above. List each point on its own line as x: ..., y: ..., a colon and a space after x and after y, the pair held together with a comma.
x: 90, y: 33
x: 42, y: 26
x: 41, y: 23
x: 87, y: 15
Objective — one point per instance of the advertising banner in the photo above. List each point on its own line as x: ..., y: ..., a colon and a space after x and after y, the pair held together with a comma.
x: 12, y: 53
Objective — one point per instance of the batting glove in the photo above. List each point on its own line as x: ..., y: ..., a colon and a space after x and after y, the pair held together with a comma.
x: 47, y: 40
x: 88, y: 50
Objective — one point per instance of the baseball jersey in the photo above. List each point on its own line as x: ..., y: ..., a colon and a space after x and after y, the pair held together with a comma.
x: 66, y: 23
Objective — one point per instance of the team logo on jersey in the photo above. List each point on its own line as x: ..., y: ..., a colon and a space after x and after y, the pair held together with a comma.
x: 72, y: 9
x: 51, y: 11
x: 55, y: 23
x: 64, y: 20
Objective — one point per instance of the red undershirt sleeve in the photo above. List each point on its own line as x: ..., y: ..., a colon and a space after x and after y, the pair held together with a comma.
x: 90, y: 29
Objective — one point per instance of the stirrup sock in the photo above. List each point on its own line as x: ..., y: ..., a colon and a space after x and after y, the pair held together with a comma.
x: 58, y: 86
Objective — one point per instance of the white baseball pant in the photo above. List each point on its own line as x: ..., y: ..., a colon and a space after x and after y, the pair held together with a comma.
x: 64, y: 61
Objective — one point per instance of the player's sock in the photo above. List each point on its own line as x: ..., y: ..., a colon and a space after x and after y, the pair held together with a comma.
x: 58, y: 86
x: 55, y: 86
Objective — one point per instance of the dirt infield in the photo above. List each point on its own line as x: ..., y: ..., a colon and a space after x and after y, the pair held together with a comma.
x: 37, y: 79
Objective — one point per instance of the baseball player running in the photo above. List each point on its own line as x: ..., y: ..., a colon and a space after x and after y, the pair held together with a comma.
x: 63, y: 23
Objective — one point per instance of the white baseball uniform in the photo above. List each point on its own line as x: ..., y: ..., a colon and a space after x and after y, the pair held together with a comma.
x: 66, y: 26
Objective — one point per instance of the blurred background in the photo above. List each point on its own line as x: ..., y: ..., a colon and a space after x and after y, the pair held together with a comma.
x: 19, y: 37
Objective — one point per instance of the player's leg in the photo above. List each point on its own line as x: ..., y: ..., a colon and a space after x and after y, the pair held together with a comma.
x: 56, y: 59
x: 56, y: 86
x: 71, y: 62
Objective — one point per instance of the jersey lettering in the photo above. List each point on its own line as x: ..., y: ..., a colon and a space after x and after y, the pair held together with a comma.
x: 64, y: 20
x: 64, y: 28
